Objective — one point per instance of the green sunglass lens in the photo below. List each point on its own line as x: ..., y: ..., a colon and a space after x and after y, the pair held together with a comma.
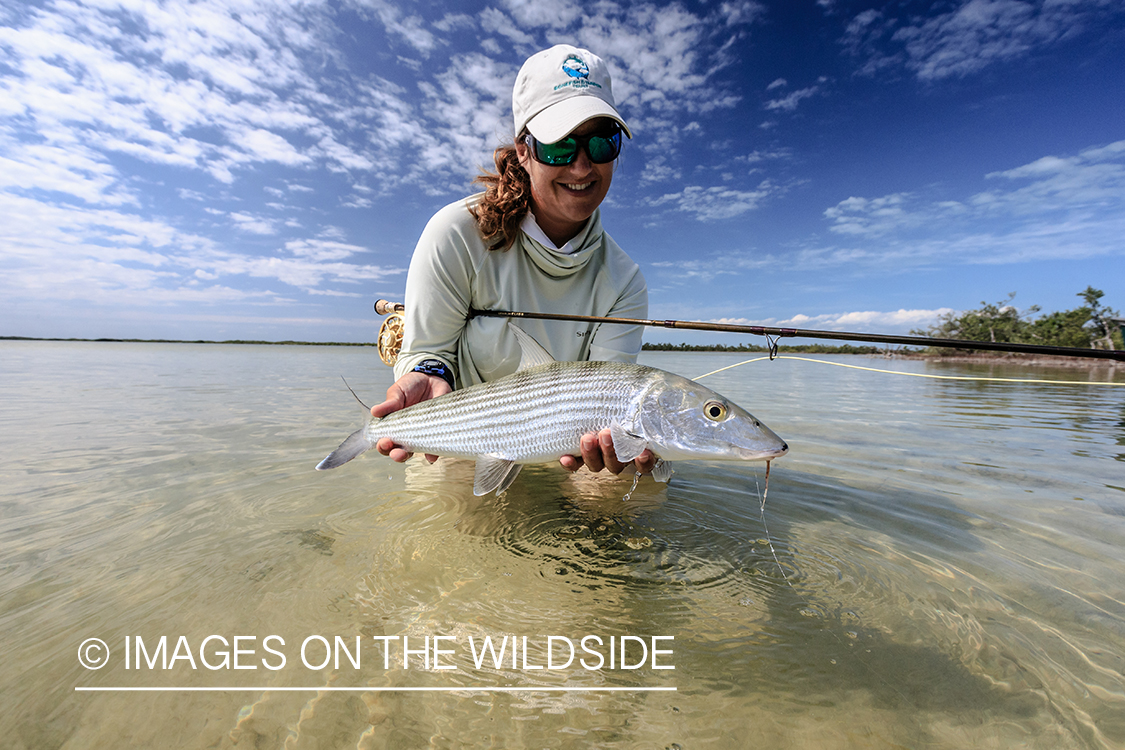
x: 603, y: 149
x: 559, y: 153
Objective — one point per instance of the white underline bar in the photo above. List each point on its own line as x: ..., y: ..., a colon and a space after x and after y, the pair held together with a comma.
x: 466, y: 689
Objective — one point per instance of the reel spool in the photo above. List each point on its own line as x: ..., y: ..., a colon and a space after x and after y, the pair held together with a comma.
x: 390, y: 333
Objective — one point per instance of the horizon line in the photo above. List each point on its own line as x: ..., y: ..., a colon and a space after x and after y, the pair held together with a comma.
x: 374, y: 689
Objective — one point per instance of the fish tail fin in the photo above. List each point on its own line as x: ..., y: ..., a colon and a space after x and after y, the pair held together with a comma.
x: 356, y: 444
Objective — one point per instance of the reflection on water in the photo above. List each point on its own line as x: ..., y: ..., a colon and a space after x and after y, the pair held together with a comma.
x: 947, y: 569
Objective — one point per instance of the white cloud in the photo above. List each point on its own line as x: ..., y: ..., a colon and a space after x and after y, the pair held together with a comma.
x: 252, y: 224
x: 111, y: 257
x: 657, y: 55
x: 322, y: 250
x: 757, y: 156
x: 719, y: 264
x: 1053, y: 208
x: 1052, y: 196
x: 410, y: 29
x: 559, y: 14
x: 870, y: 217
x: 297, y: 272
x: 455, y: 21
x: 76, y: 170
x: 341, y: 157
x: 1069, y: 207
x: 658, y: 170
x: 468, y: 108
x: 978, y: 33
x: 870, y: 320
x: 212, y: 87
x: 971, y: 36
x: 789, y: 103
x: 1093, y: 180
x: 262, y: 145
x: 494, y: 21
x: 741, y: 11
x: 172, y: 84
x: 716, y: 203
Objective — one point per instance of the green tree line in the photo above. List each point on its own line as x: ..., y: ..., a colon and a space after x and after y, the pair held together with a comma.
x: 1088, y: 326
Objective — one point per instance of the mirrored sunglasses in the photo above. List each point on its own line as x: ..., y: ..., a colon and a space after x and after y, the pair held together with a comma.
x: 602, y: 148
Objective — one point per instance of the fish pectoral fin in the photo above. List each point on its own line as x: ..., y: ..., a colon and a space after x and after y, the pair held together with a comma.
x: 532, y: 352
x: 356, y: 444
x: 626, y: 445
x: 662, y: 472
x: 494, y: 473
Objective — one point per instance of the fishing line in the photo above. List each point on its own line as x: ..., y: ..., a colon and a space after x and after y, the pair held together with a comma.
x: 846, y: 647
x: 774, y: 355
x: 636, y: 481
x: 912, y: 374
x: 769, y: 540
x: 357, y: 398
x: 637, y: 478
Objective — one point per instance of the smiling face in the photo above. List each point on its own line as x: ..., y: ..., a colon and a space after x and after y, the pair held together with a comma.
x: 564, y: 198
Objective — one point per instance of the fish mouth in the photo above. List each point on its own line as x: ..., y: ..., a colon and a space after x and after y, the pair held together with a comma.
x: 751, y: 455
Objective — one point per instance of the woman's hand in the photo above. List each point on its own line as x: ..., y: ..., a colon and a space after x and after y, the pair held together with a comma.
x: 598, y: 454
x: 412, y: 388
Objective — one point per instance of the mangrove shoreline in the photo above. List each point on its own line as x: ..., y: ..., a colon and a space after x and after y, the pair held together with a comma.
x: 952, y: 356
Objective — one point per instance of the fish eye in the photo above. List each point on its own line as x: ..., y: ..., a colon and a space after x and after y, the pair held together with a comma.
x: 716, y: 411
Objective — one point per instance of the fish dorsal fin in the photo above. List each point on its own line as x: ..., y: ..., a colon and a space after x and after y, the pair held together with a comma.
x: 531, y: 352
x: 626, y: 445
x: 494, y: 473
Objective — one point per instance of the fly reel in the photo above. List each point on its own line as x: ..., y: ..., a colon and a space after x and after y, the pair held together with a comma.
x: 390, y: 333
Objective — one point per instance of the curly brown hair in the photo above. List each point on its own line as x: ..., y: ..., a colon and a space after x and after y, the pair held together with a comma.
x: 507, y: 199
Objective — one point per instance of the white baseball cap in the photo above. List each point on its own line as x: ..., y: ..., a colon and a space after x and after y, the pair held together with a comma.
x: 560, y: 88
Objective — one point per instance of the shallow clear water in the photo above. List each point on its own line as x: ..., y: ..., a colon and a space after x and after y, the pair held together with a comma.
x: 950, y: 568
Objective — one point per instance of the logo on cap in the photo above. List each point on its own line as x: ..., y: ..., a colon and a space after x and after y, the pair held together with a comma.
x: 574, y: 67
x: 578, y: 72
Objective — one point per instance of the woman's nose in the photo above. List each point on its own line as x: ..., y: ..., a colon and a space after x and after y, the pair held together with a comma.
x: 582, y: 163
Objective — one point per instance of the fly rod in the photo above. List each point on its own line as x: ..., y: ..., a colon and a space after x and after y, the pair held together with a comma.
x: 383, y: 307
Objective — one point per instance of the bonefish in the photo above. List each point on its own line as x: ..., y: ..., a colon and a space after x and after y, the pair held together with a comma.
x: 541, y: 412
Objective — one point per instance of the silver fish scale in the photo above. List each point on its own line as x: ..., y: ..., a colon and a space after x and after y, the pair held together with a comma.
x: 534, y: 415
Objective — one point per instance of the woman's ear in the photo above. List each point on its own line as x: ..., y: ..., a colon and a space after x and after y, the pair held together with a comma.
x: 523, y: 154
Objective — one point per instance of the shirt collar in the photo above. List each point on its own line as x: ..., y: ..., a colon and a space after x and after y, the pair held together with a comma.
x: 532, y: 229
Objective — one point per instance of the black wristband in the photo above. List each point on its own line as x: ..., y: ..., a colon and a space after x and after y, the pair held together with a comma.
x: 435, y: 367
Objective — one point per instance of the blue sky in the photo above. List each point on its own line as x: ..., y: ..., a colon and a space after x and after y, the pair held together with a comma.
x: 261, y: 170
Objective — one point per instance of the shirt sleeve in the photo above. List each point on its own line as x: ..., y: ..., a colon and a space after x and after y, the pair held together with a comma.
x: 614, y: 342
x: 438, y: 290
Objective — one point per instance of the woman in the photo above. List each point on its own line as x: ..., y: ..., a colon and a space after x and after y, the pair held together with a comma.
x: 533, y: 241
